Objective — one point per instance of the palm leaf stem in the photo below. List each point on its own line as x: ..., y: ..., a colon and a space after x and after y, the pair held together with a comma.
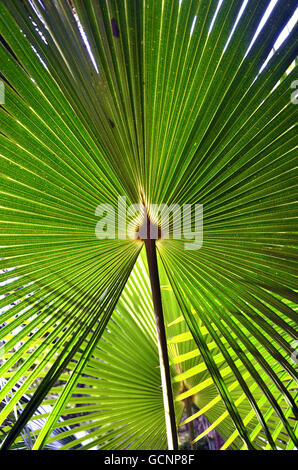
x: 190, y: 425
x: 162, y: 345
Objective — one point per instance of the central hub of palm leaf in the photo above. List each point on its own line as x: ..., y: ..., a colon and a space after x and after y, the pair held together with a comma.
x: 148, y: 230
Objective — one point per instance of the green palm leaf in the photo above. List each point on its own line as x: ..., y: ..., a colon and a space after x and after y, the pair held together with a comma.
x: 172, y: 105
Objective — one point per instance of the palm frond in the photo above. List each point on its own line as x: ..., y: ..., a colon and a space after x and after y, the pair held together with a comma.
x: 163, y: 102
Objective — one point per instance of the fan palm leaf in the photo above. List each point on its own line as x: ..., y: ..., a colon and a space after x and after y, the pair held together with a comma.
x: 162, y: 102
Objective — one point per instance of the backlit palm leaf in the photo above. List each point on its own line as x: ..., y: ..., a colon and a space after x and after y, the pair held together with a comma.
x: 171, y: 107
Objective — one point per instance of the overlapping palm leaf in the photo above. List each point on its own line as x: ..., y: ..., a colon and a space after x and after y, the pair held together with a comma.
x: 171, y: 106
